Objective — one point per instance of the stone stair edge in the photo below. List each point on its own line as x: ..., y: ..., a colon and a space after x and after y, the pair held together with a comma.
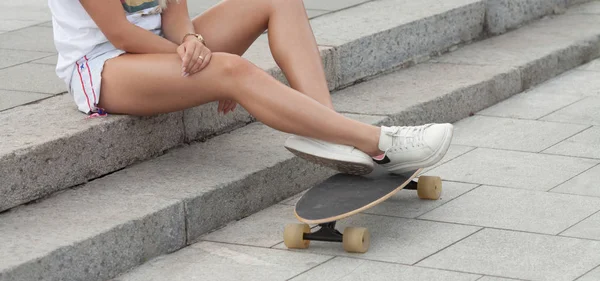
x: 71, y: 152
x: 210, y: 208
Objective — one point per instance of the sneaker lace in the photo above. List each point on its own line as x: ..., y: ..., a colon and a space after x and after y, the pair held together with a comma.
x: 404, y: 138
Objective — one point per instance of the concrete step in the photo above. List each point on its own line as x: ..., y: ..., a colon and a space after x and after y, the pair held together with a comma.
x: 61, y: 149
x: 114, y: 223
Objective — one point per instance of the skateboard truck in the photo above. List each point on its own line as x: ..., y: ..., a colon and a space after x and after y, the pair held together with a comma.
x: 326, y: 233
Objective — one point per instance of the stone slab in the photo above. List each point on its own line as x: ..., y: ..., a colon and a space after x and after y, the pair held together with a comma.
x: 512, y: 169
x: 92, y: 233
x: 540, y: 50
x: 511, y: 134
x: 34, y: 38
x: 8, y: 25
x: 406, y: 203
x: 519, y: 255
x: 214, y: 261
x: 584, y: 111
x: 66, y: 149
x: 453, y: 152
x: 51, y: 60
x: 590, y: 8
x: 591, y: 276
x: 380, y: 35
x: 430, y: 92
x: 588, y: 228
x: 514, y: 209
x: 395, y: 240
x: 349, y: 269
x: 532, y: 104
x: 585, y: 184
x: 584, y: 144
x: 32, y: 78
x: 14, y: 57
x: 332, y: 5
x: 504, y: 15
x: 573, y: 83
x: 263, y: 229
x: 489, y: 278
x: 591, y: 66
x: 315, y: 13
x: 25, y: 11
x: 10, y: 99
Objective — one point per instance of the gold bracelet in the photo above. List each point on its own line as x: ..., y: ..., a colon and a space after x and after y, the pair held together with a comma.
x: 198, y: 36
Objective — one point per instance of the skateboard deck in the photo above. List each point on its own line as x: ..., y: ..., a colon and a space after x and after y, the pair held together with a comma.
x: 344, y: 195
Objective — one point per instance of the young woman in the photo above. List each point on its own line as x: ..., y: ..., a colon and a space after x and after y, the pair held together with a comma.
x: 146, y: 57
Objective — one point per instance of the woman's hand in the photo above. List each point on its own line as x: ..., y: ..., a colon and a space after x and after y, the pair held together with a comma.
x: 226, y: 106
x: 194, y: 56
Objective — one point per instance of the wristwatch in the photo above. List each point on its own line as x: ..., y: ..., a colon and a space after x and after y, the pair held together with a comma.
x: 198, y: 36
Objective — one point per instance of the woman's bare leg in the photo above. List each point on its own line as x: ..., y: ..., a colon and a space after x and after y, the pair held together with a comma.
x: 150, y: 84
x: 233, y: 25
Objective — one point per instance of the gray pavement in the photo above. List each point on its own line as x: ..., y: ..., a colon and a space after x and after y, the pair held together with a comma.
x: 520, y: 201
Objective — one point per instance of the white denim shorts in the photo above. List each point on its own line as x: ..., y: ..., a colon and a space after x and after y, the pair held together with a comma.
x: 87, y: 79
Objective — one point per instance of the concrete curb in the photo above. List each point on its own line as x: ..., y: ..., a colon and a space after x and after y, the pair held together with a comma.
x: 116, y: 222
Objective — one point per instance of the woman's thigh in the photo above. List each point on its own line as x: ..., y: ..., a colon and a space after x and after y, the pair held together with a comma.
x: 149, y: 84
x: 233, y: 25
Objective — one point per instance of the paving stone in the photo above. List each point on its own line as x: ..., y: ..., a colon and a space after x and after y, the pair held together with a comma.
x: 14, y: 57
x: 315, y: 13
x: 489, y: 278
x: 395, y: 240
x: 453, y: 152
x: 51, y: 60
x: 593, y: 275
x: 381, y: 35
x: 39, y: 158
x: 512, y: 169
x: 213, y: 261
x: 519, y: 255
x: 503, y: 15
x: 584, y: 144
x: 588, y: 228
x: 511, y: 134
x: 591, y: 66
x: 23, y: 11
x: 431, y: 92
x: 573, y: 83
x: 10, y: 99
x: 32, y: 78
x: 515, y: 209
x: 332, y: 5
x: 583, y: 184
x: 406, y: 203
x: 533, y: 104
x: 47, y: 240
x: 263, y: 229
x: 35, y: 38
x: 584, y: 111
x: 8, y: 25
x: 590, y: 8
x: 349, y: 269
x: 540, y: 50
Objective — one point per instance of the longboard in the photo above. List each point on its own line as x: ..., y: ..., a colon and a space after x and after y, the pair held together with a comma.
x: 343, y: 195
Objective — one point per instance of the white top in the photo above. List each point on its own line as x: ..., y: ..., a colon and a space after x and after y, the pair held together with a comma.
x: 76, y: 35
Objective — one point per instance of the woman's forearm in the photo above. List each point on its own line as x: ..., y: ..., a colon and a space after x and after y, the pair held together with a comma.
x: 176, y: 22
x: 134, y: 39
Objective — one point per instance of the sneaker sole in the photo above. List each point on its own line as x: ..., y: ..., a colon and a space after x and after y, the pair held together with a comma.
x: 432, y: 160
x: 341, y: 166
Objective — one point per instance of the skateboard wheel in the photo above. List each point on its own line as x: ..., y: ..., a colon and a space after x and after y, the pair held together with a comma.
x: 429, y: 187
x: 356, y: 239
x: 293, y: 236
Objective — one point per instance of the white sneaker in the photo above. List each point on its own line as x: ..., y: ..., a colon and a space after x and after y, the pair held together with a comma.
x: 343, y: 158
x: 410, y: 148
